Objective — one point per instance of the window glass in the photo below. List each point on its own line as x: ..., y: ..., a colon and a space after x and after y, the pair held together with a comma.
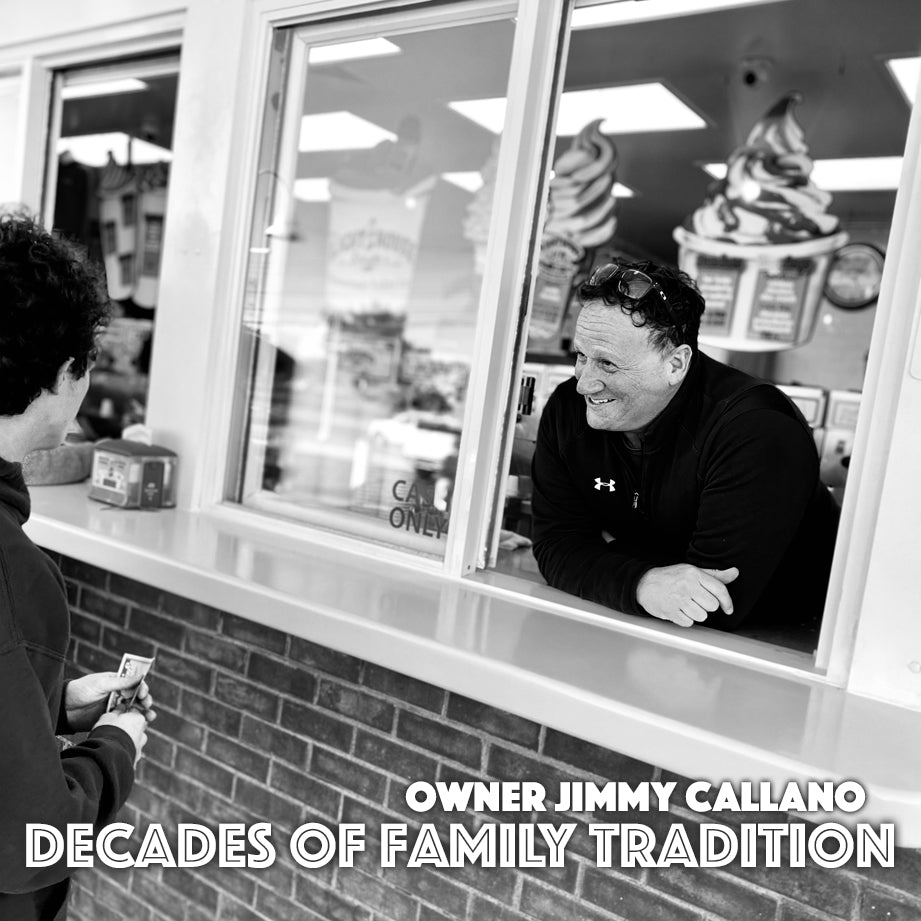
x: 371, y: 218
x: 758, y: 147
x: 108, y: 183
x: 9, y: 128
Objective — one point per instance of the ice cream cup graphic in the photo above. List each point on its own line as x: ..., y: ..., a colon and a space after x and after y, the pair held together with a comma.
x: 760, y: 244
x: 759, y: 297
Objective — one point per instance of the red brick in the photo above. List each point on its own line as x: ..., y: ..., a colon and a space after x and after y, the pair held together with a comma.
x: 376, y: 895
x: 85, y: 628
x: 119, y: 642
x: 196, y: 890
x: 328, y: 905
x: 246, y: 696
x: 312, y: 723
x: 84, y: 572
x: 108, y: 609
x: 545, y: 904
x: 184, y: 670
x: 356, y: 705
x: 494, y: 721
x: 440, y: 738
x: 879, y: 906
x: 159, y: 629
x: 413, y: 691
x: 216, y: 650
x: 431, y: 885
x: 148, y: 886
x: 136, y: 592
x: 325, y: 659
x: 276, y: 908
x: 593, y: 759
x: 395, y: 758
x: 348, y: 774
x: 237, y: 756
x: 716, y: 892
x: 210, y: 713
x: 276, y: 742
x: 639, y: 903
x: 191, y: 613
x: 483, y: 910
x: 119, y: 899
x: 281, y: 811
x: 287, y: 679
x: 91, y: 659
x: 255, y: 634
x: 172, y: 726
x: 232, y: 910
x: 299, y: 785
x: 205, y: 771
x: 159, y: 749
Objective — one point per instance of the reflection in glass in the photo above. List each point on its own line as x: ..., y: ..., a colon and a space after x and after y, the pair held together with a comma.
x: 111, y: 177
x: 364, y: 278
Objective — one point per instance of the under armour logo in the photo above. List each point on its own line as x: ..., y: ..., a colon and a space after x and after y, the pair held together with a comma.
x: 599, y: 484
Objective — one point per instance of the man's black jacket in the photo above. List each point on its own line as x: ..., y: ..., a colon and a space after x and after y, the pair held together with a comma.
x: 727, y: 475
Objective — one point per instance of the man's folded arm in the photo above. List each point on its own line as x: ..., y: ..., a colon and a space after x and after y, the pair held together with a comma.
x: 760, y: 478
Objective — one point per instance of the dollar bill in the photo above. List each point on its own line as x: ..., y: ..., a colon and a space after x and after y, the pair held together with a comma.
x: 132, y: 666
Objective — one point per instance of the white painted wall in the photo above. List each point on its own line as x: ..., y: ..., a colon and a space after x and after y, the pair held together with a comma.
x: 28, y: 22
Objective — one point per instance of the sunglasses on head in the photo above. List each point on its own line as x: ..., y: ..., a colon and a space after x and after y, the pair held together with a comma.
x: 631, y: 284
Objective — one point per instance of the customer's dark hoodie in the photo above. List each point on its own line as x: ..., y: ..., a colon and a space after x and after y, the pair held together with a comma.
x: 39, y: 783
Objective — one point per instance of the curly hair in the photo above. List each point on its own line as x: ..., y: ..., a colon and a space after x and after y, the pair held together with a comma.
x: 673, y: 319
x: 53, y: 302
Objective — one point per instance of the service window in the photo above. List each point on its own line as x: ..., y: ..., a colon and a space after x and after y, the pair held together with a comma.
x: 371, y: 216
x: 758, y: 147
x: 108, y: 177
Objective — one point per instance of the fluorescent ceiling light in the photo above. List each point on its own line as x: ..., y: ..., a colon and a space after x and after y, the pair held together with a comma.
x: 340, y: 131
x: 104, y: 88
x: 854, y: 174
x: 620, y: 13
x: 634, y: 108
x: 314, y: 189
x: 907, y: 72
x: 350, y: 51
x: 94, y: 149
x: 471, y: 181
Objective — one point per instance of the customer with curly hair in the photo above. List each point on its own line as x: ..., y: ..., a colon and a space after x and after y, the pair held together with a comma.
x: 52, y: 305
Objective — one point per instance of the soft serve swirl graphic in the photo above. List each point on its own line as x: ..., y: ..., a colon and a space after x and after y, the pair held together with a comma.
x: 767, y: 195
x: 580, y: 206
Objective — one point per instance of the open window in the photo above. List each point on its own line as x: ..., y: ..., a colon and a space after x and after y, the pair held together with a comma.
x: 108, y: 170
x: 656, y: 103
x: 363, y: 290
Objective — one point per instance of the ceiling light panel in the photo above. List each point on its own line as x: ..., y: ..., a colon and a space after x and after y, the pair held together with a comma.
x: 629, y: 109
x: 103, y: 88
x: 94, y: 149
x: 907, y: 73
x: 621, y: 13
x: 853, y: 174
x: 340, y: 131
x: 351, y: 51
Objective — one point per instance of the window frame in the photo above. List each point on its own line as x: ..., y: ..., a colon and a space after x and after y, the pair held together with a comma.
x: 871, y: 618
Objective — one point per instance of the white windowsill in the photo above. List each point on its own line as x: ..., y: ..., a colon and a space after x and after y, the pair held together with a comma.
x: 646, y: 693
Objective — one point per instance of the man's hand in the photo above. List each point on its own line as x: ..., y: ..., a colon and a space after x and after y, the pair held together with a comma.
x: 131, y: 721
x: 85, y: 698
x: 685, y: 594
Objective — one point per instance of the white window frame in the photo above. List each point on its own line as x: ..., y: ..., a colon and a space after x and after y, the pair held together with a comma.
x: 872, y: 642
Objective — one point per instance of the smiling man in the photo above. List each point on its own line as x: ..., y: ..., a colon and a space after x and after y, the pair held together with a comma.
x: 669, y: 484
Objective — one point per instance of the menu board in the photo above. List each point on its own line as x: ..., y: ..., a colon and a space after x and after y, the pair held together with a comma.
x: 718, y: 281
x: 778, y: 301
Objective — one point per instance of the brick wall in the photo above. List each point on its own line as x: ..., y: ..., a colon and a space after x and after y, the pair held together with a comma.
x: 255, y: 725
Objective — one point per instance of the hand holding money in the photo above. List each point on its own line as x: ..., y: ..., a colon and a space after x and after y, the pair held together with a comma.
x: 131, y: 691
x: 87, y: 698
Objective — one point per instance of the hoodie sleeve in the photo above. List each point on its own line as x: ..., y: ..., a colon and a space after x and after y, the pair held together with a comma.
x: 569, y: 548
x: 39, y: 784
